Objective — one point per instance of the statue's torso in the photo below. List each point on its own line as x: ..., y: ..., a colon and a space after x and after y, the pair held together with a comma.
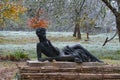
x: 48, y: 50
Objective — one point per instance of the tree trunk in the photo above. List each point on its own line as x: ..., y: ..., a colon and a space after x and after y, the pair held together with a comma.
x: 118, y: 24
x: 116, y: 13
x: 87, y: 31
x: 87, y: 36
x: 77, y: 32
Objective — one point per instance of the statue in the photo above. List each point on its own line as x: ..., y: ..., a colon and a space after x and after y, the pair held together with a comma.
x: 74, y: 53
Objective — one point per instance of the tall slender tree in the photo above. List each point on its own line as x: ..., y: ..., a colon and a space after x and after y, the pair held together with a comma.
x: 114, y: 6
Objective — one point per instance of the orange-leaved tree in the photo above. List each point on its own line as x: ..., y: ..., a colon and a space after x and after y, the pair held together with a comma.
x: 36, y: 21
x: 10, y: 11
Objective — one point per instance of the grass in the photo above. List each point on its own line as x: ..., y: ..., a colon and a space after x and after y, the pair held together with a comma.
x: 94, y: 45
x: 103, y: 55
x: 106, y: 54
x: 3, y: 40
x: 109, y: 54
x: 112, y: 62
x: 23, y: 40
x: 19, y: 55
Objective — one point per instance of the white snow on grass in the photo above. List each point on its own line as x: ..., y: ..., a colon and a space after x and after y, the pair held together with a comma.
x: 59, y: 34
x: 95, y: 42
x: 17, y: 33
x: 31, y: 33
x: 17, y: 47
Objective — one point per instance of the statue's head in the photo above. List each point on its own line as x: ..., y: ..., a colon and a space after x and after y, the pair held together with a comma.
x: 41, y: 33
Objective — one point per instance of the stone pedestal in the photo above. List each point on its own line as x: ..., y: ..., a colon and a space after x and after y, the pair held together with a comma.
x: 36, y: 70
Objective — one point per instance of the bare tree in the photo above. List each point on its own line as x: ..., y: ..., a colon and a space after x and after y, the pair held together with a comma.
x: 77, y: 6
x: 114, y: 6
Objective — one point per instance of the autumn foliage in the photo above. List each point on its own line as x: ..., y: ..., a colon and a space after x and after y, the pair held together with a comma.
x: 11, y: 11
x: 36, y: 22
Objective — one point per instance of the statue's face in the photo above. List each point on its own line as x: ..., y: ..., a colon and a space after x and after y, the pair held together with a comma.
x: 41, y: 33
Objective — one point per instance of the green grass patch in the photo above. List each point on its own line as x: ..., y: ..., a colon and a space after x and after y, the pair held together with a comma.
x: 112, y: 62
x: 101, y: 54
x: 106, y: 54
x: 21, y: 40
x: 117, y: 52
x: 18, y: 55
x: 3, y: 40
x: 62, y: 38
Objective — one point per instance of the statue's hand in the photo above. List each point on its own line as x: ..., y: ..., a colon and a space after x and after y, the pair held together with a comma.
x: 77, y: 60
x: 46, y: 59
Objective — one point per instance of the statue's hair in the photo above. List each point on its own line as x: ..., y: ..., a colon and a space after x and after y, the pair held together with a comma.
x: 38, y: 30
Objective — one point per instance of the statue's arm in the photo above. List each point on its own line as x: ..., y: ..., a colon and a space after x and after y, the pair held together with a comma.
x: 39, y: 51
x: 49, y: 43
x: 54, y: 48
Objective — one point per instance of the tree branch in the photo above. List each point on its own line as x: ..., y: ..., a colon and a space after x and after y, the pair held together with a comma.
x: 82, y: 5
x: 110, y: 6
x: 107, y: 40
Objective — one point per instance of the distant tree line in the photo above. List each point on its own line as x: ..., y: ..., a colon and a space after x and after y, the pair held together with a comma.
x: 64, y: 15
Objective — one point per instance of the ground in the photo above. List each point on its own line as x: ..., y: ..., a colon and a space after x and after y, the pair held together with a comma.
x: 12, y: 41
x: 9, y: 70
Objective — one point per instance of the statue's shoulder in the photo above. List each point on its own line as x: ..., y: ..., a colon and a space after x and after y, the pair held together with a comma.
x: 40, y: 44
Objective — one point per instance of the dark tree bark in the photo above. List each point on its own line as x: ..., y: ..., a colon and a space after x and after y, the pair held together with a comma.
x: 77, y: 32
x: 87, y: 36
x: 116, y: 13
x: 87, y: 31
x: 108, y: 40
x: 78, y: 10
x: 118, y: 24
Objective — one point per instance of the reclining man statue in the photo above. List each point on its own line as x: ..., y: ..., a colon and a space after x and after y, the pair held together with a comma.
x: 74, y: 53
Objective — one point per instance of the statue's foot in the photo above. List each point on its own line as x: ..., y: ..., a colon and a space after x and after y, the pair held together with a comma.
x: 77, y: 60
x: 41, y: 59
x: 50, y: 59
x: 101, y: 61
x: 96, y: 60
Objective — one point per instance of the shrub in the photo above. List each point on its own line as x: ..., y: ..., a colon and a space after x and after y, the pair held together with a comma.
x: 20, y: 55
x: 16, y: 56
x: 117, y: 52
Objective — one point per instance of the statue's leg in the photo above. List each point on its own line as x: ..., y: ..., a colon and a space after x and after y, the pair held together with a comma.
x: 93, y: 58
x: 65, y: 58
x: 62, y: 58
x: 59, y: 58
x: 69, y: 58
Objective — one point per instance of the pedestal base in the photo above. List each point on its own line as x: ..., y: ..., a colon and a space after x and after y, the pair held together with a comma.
x: 36, y: 70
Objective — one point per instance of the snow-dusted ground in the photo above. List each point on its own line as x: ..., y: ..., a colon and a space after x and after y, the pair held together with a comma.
x: 31, y: 33
x: 95, y: 42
